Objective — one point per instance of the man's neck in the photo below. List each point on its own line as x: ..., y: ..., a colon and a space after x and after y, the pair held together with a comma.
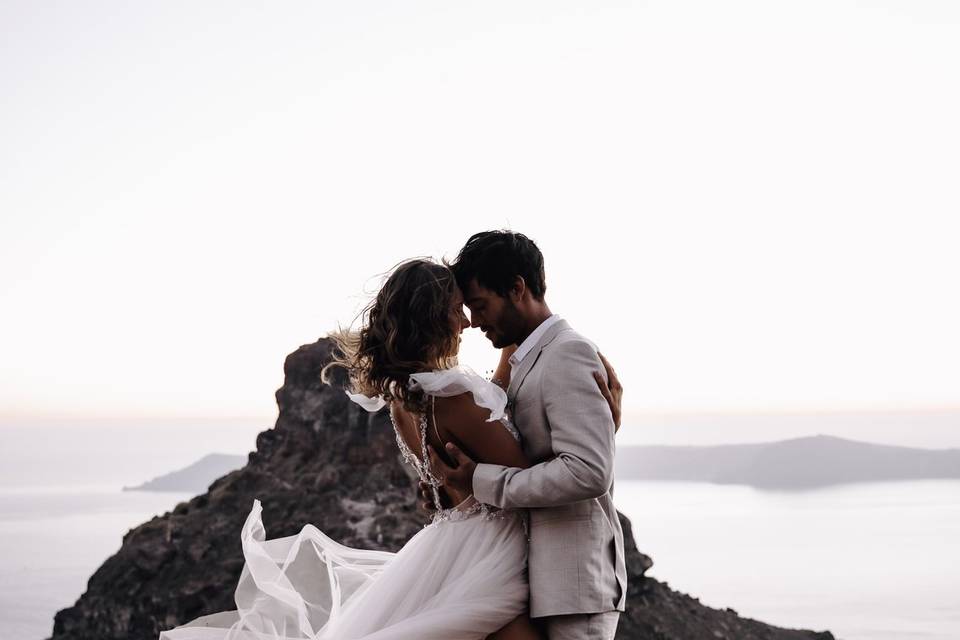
x: 534, y: 321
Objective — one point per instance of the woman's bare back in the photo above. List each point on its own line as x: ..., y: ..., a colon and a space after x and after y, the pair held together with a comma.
x: 483, y: 441
x: 407, y: 424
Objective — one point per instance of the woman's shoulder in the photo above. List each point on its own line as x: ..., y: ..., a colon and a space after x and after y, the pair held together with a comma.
x: 459, y: 409
x: 459, y: 387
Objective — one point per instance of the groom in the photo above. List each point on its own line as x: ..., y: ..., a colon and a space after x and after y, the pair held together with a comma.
x: 577, y: 572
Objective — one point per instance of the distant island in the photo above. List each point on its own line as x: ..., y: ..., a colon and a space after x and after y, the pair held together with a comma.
x: 196, y: 477
x: 798, y: 463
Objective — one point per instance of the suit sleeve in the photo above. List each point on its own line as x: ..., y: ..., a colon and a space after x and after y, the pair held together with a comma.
x: 582, y: 434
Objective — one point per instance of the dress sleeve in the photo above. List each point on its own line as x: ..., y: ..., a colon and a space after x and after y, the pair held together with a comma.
x: 444, y: 383
x: 370, y: 404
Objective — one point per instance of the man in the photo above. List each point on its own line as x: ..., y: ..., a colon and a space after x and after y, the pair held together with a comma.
x: 577, y: 571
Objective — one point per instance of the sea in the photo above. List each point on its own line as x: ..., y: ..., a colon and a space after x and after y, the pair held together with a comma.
x: 872, y: 561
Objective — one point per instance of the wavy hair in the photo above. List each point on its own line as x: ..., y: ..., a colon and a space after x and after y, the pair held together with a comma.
x: 405, y: 329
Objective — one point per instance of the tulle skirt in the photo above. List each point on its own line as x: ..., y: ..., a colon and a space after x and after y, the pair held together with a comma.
x: 461, y: 577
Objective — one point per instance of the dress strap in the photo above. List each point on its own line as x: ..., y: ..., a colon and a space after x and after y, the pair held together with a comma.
x: 420, y: 464
x: 435, y: 482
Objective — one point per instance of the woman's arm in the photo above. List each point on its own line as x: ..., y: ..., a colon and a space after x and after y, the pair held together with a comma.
x: 460, y: 421
x: 501, y: 376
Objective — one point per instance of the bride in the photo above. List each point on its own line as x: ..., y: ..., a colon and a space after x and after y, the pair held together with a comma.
x: 463, y: 576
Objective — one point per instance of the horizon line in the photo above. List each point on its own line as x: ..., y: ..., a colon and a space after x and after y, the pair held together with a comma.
x: 14, y: 416
x: 767, y: 411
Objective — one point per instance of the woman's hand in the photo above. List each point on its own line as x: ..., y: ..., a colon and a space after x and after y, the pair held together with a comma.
x: 613, y: 393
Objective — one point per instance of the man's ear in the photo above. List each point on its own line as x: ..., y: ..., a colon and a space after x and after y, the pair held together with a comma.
x: 518, y: 289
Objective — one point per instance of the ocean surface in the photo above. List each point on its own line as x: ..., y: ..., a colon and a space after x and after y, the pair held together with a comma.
x: 872, y: 561
x: 866, y: 561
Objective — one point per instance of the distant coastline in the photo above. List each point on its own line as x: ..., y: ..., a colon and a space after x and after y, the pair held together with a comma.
x: 195, y: 477
x: 797, y: 463
x: 793, y: 464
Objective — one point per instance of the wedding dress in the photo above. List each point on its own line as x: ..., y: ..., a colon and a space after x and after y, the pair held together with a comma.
x: 463, y: 576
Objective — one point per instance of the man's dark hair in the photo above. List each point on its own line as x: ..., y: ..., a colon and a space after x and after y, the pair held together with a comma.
x: 496, y: 258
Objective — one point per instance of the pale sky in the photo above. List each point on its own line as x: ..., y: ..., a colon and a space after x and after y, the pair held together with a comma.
x: 749, y: 206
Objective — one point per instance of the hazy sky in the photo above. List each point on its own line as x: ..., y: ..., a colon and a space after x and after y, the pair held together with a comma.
x: 747, y: 205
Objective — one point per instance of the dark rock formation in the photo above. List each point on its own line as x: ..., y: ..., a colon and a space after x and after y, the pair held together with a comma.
x: 330, y: 463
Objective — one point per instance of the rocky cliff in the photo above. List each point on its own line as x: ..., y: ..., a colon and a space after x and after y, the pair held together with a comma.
x: 330, y: 463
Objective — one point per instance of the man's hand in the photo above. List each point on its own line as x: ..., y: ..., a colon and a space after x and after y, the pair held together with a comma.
x: 459, y: 479
x: 613, y: 393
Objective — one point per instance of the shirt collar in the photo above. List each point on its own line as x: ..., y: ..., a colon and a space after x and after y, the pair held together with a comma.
x: 526, y: 346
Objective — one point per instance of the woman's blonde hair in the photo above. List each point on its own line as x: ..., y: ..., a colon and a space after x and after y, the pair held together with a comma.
x: 405, y: 329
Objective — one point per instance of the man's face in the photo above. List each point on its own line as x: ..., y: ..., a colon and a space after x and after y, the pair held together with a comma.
x: 497, y: 317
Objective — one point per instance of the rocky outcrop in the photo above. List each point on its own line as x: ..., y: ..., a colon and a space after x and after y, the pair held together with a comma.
x: 330, y: 463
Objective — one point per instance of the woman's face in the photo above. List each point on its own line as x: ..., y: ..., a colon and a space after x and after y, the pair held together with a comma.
x: 458, y: 318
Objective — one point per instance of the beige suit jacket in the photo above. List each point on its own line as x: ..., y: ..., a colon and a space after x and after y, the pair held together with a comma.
x: 576, y: 561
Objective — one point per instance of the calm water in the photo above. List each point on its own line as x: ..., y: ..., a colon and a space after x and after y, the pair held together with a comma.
x: 870, y: 561
x: 62, y: 512
x: 52, y: 541
x: 867, y: 561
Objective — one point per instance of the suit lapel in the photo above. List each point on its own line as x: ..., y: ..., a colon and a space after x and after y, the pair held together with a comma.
x: 517, y: 377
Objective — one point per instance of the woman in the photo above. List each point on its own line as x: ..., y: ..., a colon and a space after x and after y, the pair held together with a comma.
x: 461, y: 577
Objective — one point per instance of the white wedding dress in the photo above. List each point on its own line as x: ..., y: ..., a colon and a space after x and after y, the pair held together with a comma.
x: 463, y: 576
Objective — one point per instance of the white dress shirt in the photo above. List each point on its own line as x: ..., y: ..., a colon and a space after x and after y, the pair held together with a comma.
x: 531, y: 340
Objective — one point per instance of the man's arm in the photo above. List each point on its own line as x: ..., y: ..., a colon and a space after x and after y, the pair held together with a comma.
x: 582, y: 432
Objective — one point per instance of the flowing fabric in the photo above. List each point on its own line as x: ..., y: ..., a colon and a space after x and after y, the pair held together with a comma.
x: 444, y: 383
x: 461, y: 577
